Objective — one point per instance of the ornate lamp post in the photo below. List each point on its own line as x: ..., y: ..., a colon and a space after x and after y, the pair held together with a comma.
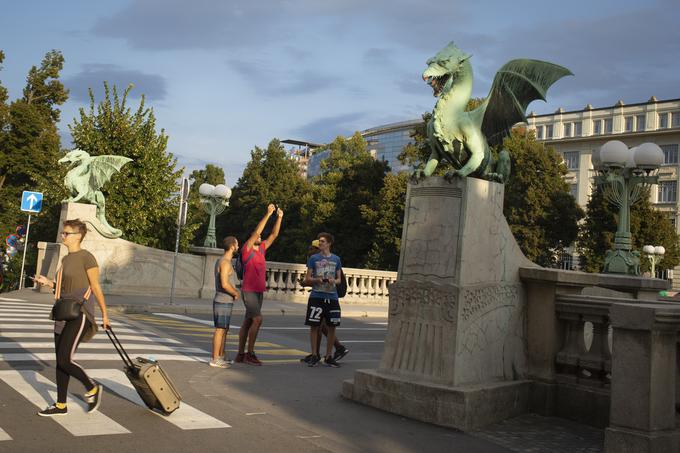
x: 654, y: 255
x: 214, y: 199
x: 622, y: 174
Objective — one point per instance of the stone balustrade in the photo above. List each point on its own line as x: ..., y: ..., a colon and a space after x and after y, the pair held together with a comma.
x: 363, y: 285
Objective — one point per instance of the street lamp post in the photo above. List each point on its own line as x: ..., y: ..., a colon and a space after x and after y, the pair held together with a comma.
x: 214, y: 200
x: 622, y: 174
x: 654, y: 255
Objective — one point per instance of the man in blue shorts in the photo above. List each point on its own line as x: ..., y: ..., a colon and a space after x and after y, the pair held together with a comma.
x: 223, y: 302
x: 323, y: 270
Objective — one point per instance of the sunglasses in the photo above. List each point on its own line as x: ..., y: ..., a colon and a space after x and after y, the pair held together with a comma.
x: 67, y: 233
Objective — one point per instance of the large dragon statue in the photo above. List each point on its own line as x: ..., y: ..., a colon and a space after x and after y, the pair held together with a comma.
x: 87, y: 175
x: 464, y: 138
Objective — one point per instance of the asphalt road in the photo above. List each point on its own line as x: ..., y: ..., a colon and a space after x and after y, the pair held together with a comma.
x: 283, y: 406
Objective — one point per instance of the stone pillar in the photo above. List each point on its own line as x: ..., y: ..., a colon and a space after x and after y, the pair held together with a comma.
x: 455, y: 350
x: 210, y: 255
x: 642, y: 414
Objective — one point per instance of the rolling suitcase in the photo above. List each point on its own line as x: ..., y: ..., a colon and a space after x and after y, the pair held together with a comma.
x: 147, y: 377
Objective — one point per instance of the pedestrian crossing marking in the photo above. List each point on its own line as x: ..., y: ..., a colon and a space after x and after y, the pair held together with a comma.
x: 50, y: 335
x: 50, y: 326
x: 50, y: 357
x: 186, y: 417
x: 107, y: 346
x: 7, y: 299
x: 78, y: 422
x: 4, y: 435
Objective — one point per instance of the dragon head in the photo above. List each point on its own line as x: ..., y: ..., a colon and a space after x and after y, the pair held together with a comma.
x: 74, y: 157
x: 443, y: 69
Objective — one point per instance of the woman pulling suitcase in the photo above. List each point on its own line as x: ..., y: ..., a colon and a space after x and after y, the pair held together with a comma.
x: 77, y: 280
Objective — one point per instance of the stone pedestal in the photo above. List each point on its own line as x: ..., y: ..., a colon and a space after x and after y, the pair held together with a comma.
x: 642, y: 412
x: 211, y: 255
x: 126, y: 268
x: 455, y: 348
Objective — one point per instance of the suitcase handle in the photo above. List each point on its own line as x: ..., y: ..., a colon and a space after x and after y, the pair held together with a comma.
x: 119, y: 347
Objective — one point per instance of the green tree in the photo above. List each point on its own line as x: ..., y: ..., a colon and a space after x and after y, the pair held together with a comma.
x: 269, y: 177
x: 30, y: 147
x: 346, y: 194
x: 386, y: 217
x: 142, y: 199
x: 542, y: 214
x: 647, y: 226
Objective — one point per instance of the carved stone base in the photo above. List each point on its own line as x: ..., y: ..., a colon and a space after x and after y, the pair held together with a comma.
x: 621, y: 440
x: 464, y: 407
x: 455, y: 352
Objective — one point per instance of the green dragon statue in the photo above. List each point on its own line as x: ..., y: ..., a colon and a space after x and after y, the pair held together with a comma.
x: 87, y: 175
x: 464, y: 138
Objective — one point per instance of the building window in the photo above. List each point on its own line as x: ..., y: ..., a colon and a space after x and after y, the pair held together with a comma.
x: 573, y: 190
x: 670, y: 154
x: 640, y: 123
x: 668, y: 191
x: 578, y: 129
x: 629, y: 124
x: 548, y: 131
x: 676, y: 119
x: 566, y: 261
x: 597, y: 127
x: 608, y: 125
x: 539, y: 132
x: 567, y: 129
x: 663, y: 120
x: 571, y: 160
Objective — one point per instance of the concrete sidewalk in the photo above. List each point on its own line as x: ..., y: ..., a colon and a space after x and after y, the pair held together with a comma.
x: 148, y: 304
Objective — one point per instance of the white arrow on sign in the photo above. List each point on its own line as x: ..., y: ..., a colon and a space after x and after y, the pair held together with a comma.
x: 33, y: 200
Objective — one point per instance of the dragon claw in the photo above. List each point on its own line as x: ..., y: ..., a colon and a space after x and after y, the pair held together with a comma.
x: 450, y: 175
x: 417, y: 176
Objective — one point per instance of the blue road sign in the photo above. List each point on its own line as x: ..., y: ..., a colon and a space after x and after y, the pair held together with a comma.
x: 31, y: 201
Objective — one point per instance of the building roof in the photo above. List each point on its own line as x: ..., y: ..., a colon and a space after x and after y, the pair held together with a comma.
x: 589, y: 108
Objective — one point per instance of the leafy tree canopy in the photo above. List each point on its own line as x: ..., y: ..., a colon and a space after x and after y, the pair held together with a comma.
x: 141, y: 199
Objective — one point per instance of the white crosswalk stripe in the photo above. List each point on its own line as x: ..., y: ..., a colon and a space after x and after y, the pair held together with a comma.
x: 4, y: 435
x: 186, y: 417
x: 26, y: 335
x: 41, y: 392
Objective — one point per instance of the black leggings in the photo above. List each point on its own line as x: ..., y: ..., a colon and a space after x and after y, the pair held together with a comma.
x: 65, y: 345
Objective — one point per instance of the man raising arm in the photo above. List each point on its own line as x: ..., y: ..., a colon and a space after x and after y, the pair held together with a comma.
x: 254, y: 285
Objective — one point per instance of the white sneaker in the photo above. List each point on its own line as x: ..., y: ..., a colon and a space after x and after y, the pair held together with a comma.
x: 228, y: 361
x: 219, y: 363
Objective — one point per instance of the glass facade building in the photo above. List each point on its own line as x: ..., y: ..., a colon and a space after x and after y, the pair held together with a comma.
x: 384, y: 143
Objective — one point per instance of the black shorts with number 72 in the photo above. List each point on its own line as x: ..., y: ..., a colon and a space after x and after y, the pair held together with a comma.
x: 318, y: 309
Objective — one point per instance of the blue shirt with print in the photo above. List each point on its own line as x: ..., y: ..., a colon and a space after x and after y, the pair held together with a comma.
x: 324, y: 267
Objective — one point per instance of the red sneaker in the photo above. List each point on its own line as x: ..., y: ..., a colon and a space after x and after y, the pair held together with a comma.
x: 251, y: 359
x: 239, y: 358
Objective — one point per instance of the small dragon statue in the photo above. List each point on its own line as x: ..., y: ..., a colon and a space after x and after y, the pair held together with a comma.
x: 464, y: 138
x: 87, y: 175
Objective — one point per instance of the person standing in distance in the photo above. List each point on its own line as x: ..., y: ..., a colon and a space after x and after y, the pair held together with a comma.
x: 254, y: 285
x: 323, y: 270
x: 77, y: 278
x: 223, y: 302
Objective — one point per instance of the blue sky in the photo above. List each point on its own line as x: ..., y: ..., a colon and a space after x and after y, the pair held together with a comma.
x: 224, y: 76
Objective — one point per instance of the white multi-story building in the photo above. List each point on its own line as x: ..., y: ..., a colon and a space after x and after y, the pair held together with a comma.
x: 575, y: 134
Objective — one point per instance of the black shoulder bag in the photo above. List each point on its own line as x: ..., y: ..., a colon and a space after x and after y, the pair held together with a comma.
x: 67, y: 309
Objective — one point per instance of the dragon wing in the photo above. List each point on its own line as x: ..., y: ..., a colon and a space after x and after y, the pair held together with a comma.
x: 516, y: 85
x: 103, y: 167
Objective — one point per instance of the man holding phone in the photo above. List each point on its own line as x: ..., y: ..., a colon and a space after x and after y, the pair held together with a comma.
x: 323, y: 270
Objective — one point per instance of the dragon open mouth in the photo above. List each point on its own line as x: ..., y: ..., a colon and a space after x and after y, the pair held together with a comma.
x: 437, y: 83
